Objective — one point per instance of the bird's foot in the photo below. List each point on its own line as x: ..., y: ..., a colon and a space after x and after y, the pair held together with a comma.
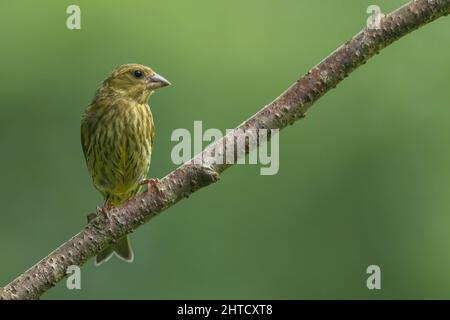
x: 151, y: 184
x: 104, y: 211
x: 99, y: 211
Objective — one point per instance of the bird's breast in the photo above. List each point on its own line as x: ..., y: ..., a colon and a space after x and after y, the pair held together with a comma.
x: 121, y: 147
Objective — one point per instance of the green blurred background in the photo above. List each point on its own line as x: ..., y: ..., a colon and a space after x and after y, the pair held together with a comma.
x: 364, y: 178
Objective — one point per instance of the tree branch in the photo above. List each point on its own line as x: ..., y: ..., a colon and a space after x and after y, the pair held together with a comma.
x: 201, y: 170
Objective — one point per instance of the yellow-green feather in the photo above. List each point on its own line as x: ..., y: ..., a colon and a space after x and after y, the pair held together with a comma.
x: 117, y: 142
x: 117, y: 135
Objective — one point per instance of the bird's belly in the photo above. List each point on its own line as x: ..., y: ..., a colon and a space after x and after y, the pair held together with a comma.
x: 123, y: 169
x: 121, y: 159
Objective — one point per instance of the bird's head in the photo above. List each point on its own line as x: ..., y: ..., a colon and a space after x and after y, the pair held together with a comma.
x: 134, y: 81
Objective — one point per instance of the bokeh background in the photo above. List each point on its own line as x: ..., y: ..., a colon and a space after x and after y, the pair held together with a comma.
x: 364, y: 178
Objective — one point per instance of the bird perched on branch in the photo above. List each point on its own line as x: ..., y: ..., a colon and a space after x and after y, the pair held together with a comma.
x: 117, y: 134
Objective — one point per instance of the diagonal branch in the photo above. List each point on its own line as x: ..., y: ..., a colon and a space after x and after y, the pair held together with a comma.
x: 202, y: 170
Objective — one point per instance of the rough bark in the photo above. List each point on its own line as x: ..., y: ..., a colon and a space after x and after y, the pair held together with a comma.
x: 202, y: 171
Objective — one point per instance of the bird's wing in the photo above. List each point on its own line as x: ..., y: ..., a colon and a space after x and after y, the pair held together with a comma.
x: 84, y: 136
x: 151, y: 128
x: 152, y: 134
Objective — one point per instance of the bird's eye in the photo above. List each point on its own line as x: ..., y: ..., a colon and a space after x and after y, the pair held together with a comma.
x: 138, y: 74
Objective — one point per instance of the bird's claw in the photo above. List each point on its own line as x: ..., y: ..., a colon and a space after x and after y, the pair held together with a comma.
x: 151, y: 184
x: 103, y: 211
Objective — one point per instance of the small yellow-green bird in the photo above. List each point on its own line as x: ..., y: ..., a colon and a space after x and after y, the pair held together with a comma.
x: 117, y: 134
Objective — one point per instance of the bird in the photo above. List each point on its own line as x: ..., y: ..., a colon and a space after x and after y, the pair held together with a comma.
x: 117, y: 133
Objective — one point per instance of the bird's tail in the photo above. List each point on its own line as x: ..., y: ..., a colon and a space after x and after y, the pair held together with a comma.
x: 121, y: 249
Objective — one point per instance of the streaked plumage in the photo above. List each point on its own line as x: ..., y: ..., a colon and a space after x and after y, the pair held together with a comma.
x: 117, y: 132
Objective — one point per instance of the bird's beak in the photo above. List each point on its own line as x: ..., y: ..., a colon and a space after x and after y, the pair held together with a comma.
x: 157, y: 81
